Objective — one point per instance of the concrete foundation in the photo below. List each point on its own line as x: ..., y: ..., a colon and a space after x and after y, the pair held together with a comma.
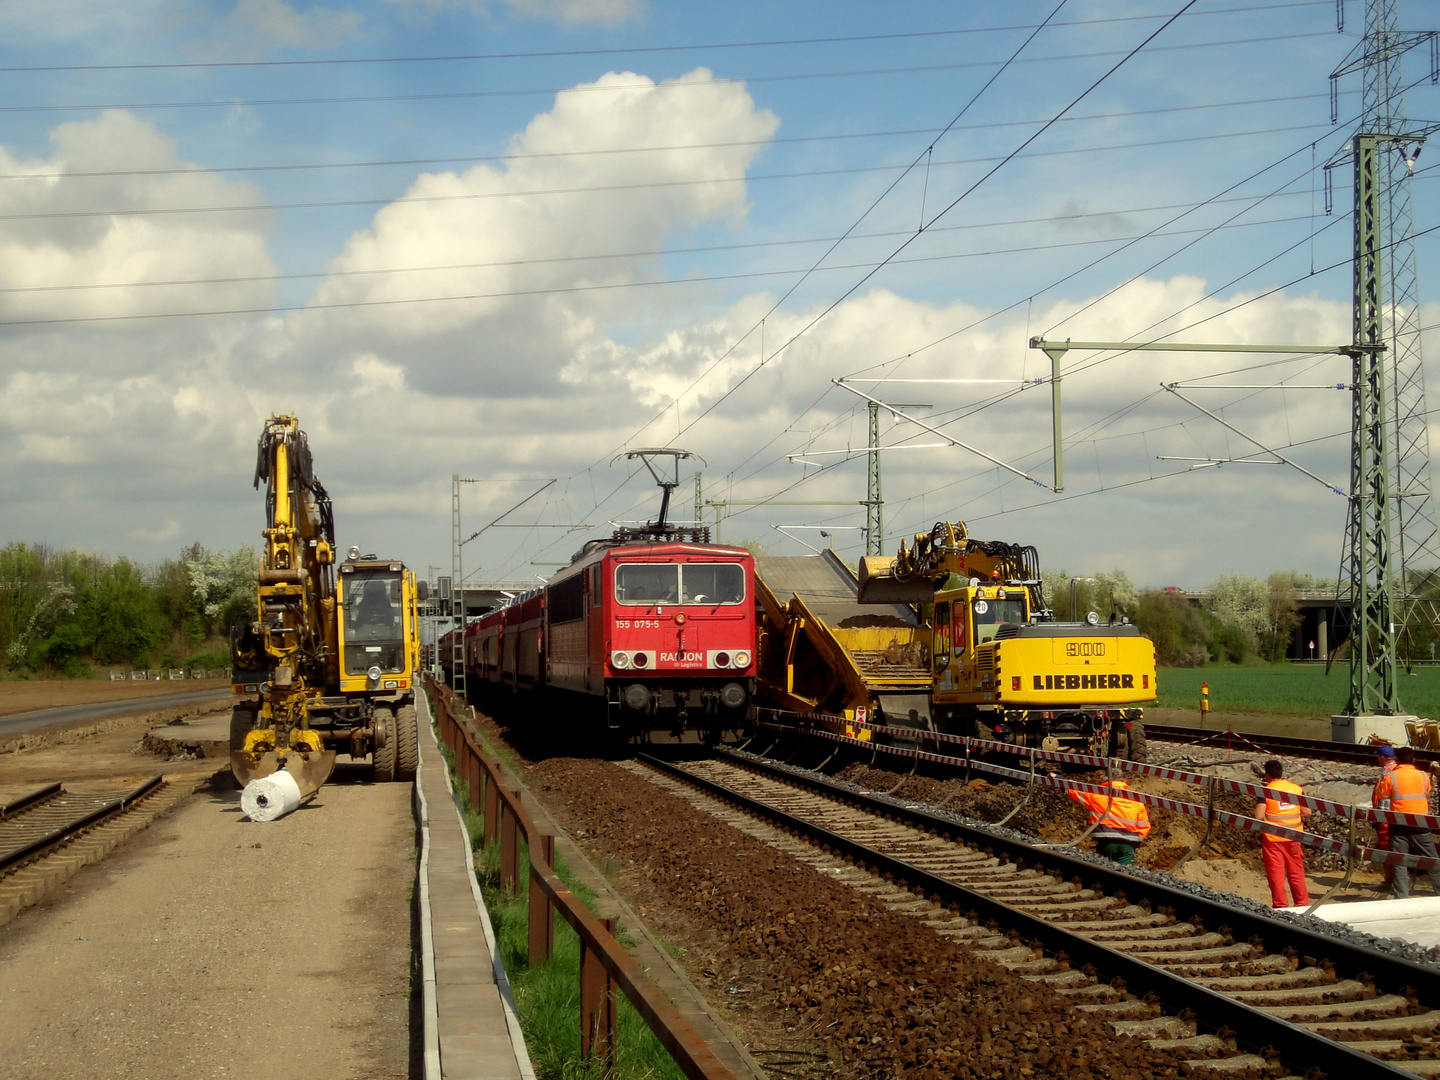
x: 1359, y: 729
x: 1416, y: 919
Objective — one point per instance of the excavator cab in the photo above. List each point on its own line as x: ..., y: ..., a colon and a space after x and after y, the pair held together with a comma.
x: 377, y: 638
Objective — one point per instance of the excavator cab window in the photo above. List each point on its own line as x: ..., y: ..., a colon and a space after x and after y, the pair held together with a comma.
x: 989, y: 614
x: 374, y: 623
x: 940, y: 650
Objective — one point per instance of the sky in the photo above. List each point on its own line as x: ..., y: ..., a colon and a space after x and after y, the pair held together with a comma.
x: 512, y: 240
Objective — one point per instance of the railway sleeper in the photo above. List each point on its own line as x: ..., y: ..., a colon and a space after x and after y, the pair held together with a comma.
x: 1307, y: 976
x: 1300, y: 995
x: 1238, y: 1063
x: 1324, y: 1012
x: 1062, y: 980
x: 1195, y: 957
x: 1132, y: 1008
x: 1131, y: 915
x: 1172, y: 932
x: 1159, y: 1027
x: 1195, y: 944
x: 1351, y: 1030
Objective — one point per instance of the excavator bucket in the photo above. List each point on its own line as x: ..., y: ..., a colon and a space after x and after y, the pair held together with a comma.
x: 879, y: 585
x: 310, y: 768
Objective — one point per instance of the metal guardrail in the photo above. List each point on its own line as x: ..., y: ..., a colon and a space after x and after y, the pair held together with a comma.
x: 604, y: 963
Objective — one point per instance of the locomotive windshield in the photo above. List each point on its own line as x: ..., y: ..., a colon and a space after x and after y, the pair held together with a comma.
x: 644, y: 584
x: 374, y: 622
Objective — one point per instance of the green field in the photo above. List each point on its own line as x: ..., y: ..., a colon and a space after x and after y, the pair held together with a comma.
x: 1287, y: 689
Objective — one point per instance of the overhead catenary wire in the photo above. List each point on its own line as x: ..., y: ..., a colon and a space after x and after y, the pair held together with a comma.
x: 592, y: 88
x: 626, y: 50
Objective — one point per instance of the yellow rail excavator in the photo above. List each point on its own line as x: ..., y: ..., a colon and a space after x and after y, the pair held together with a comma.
x: 328, y: 665
x: 951, y: 634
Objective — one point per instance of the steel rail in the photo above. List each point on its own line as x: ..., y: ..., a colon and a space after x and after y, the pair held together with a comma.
x: 1297, y: 1046
x: 70, y: 828
x: 26, y: 801
x: 1323, y: 749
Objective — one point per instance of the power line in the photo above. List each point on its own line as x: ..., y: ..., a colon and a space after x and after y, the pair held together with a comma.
x: 589, y: 189
x: 616, y: 51
x: 671, y: 84
x: 480, y: 159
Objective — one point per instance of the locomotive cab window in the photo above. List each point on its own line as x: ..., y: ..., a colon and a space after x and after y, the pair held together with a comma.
x: 712, y: 583
x: 374, y: 622
x: 645, y: 584
x: 989, y: 614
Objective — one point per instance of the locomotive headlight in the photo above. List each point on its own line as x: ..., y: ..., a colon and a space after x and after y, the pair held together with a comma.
x: 679, y: 618
x: 1092, y: 618
x: 374, y: 673
x: 722, y: 659
x: 620, y: 660
x: 641, y: 660
x: 742, y: 659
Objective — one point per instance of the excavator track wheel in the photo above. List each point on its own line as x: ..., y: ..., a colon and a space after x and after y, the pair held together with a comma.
x: 385, y: 746
x: 407, y: 743
x: 1137, y: 742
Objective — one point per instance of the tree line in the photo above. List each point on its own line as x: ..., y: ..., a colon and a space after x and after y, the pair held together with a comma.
x: 1239, y: 618
x: 63, y: 611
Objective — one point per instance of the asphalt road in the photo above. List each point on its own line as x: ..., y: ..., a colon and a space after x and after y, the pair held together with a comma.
x: 68, y: 714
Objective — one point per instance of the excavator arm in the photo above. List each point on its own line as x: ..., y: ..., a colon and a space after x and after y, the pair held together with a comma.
x: 912, y: 576
x: 292, y: 643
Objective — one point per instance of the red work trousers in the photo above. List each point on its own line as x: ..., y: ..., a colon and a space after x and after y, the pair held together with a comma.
x: 1283, y: 862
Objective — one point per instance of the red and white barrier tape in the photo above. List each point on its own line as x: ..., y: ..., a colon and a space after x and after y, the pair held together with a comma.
x: 1241, y: 821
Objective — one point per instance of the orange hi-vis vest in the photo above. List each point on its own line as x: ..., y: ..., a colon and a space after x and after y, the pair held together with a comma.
x: 1125, y: 817
x: 1281, y: 813
x: 1407, y: 788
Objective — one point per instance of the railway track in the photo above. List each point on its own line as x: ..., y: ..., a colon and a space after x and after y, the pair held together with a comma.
x: 48, y: 834
x: 1321, y: 749
x: 1233, y: 987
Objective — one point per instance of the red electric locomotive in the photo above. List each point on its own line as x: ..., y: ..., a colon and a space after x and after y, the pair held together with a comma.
x: 651, y: 629
x: 663, y: 633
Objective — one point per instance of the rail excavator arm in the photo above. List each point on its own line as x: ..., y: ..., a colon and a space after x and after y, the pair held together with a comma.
x: 291, y: 646
x: 912, y: 576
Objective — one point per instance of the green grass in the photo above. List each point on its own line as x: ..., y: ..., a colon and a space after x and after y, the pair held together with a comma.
x: 1287, y: 689
x: 547, y: 995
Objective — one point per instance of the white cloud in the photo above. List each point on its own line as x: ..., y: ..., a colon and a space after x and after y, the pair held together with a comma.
x: 564, y: 12
x: 125, y: 425
x: 282, y: 24
x: 79, y: 240
x: 616, y: 167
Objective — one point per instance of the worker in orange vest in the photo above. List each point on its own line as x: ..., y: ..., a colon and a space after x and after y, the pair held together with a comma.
x: 1120, y: 822
x: 1385, y: 757
x: 1408, y: 790
x: 1282, y: 857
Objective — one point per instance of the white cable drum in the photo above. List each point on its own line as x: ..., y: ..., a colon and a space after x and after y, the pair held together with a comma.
x: 270, y: 797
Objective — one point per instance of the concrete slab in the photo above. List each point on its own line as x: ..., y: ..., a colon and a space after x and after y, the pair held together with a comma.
x: 1415, y: 919
x: 472, y: 1032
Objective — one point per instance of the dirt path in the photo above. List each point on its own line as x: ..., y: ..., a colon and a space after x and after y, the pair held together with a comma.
x: 213, y: 947
x: 27, y: 696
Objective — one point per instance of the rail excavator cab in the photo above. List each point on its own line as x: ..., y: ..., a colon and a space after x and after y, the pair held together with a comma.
x: 305, y: 759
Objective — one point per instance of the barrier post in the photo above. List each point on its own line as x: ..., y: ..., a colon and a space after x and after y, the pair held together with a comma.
x: 510, y: 844
x: 1350, y: 850
x: 541, y: 916
x: 492, y: 809
x: 597, y: 1007
x: 1029, y: 790
x: 474, y: 777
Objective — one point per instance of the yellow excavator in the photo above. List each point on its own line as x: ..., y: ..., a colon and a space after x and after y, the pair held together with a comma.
x: 1001, y: 668
x: 328, y: 665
